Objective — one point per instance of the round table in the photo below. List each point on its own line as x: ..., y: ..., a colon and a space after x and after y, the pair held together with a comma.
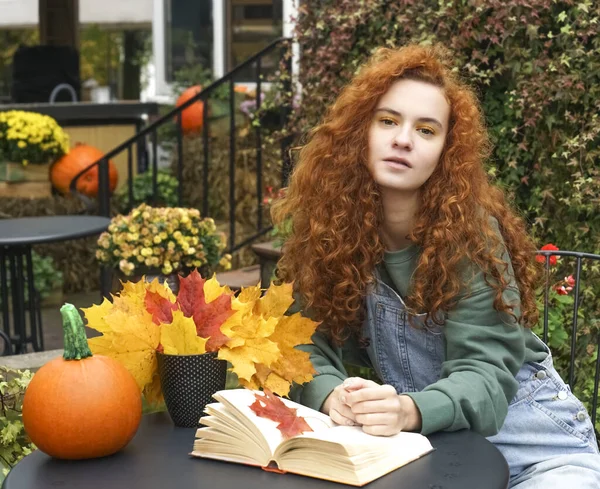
x: 158, y: 458
x: 16, y: 238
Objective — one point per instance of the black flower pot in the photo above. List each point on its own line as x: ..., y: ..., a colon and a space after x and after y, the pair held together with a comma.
x: 188, y: 383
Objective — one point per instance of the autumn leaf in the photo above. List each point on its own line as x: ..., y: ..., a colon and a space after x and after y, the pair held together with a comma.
x: 208, y: 315
x: 153, y: 391
x: 243, y: 358
x: 273, y: 362
x: 276, y: 301
x: 180, y: 338
x: 129, y: 335
x: 272, y: 407
x: 159, y: 307
x: 293, y: 365
x: 133, y: 295
x: 249, y: 294
x: 268, y: 379
x: 134, y: 348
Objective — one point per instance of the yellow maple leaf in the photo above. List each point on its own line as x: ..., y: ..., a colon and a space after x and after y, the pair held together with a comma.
x: 249, y: 294
x: 293, y: 365
x: 95, y: 316
x: 129, y: 335
x: 276, y: 301
x: 244, y: 357
x: 153, y: 391
x: 268, y: 379
x: 247, y: 326
x: 212, y: 289
x: 259, y: 317
x: 137, y: 357
x: 180, y: 337
x: 294, y: 330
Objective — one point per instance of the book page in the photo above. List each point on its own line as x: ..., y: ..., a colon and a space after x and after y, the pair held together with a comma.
x: 242, y: 399
x: 356, y: 442
x: 348, y: 454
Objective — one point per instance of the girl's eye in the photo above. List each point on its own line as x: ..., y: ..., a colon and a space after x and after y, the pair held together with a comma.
x: 388, y: 122
x: 428, y: 131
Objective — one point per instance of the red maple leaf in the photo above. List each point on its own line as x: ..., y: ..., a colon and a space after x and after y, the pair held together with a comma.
x: 208, y: 317
x: 160, y: 307
x: 272, y: 407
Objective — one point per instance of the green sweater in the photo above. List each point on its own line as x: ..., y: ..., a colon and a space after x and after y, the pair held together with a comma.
x: 484, y: 352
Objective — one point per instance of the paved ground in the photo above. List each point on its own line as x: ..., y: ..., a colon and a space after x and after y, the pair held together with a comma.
x: 52, y: 323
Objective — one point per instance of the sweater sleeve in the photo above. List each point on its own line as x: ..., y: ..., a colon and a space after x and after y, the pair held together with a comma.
x: 484, y: 351
x: 328, y: 360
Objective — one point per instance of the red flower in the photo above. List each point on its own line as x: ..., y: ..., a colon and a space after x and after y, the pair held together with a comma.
x: 561, y: 290
x: 553, y: 258
x: 570, y: 281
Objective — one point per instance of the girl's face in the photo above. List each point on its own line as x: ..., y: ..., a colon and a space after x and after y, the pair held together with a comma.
x: 407, y: 135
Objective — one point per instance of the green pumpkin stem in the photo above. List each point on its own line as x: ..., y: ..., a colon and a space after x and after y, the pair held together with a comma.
x: 76, y: 345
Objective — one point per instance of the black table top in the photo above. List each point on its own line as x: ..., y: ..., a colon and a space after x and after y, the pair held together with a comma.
x: 158, y: 457
x: 47, y: 229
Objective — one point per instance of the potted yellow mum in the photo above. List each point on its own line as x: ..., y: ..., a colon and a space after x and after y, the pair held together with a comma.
x: 162, y: 242
x: 29, y: 143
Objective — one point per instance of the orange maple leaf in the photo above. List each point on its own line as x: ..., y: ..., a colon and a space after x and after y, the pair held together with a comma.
x: 208, y: 316
x: 272, y: 407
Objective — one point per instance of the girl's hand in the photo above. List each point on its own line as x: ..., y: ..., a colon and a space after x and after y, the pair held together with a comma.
x: 337, y: 410
x: 378, y: 408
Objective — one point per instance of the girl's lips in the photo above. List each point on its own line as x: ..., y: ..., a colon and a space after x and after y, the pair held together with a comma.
x: 398, y: 162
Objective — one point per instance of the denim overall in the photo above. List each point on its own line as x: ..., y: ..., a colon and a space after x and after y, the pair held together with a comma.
x: 547, y: 437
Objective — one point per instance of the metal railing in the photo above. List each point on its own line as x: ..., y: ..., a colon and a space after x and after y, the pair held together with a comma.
x: 579, y: 258
x: 140, y: 139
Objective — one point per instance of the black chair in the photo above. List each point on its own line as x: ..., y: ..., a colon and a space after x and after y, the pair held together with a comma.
x: 583, y: 338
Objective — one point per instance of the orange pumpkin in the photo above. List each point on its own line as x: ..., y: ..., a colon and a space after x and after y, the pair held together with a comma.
x: 80, y: 157
x: 192, y: 118
x: 81, y: 406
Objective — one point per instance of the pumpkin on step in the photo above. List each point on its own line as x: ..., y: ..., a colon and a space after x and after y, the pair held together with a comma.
x: 80, y: 157
x: 81, y: 405
x: 192, y: 118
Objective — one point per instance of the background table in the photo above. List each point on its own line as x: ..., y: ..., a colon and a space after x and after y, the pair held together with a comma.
x: 157, y: 458
x: 16, y: 238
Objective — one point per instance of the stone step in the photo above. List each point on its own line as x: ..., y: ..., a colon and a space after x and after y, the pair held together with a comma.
x: 242, y: 277
x: 30, y: 361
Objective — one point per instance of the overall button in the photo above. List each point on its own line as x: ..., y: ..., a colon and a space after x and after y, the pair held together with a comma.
x: 581, y: 416
x: 541, y: 374
x: 562, y: 395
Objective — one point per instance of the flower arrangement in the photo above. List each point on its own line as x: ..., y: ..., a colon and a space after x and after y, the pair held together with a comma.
x: 29, y: 137
x: 250, y: 330
x: 169, y: 239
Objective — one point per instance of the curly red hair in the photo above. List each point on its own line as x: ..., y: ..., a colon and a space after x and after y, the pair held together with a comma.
x: 336, y: 209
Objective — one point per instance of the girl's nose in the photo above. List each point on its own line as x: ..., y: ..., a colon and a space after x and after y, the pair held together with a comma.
x: 403, y: 139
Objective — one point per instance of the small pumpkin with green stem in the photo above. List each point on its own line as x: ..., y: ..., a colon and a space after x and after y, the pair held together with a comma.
x: 81, y: 405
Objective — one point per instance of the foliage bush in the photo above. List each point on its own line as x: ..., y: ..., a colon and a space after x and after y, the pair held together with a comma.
x: 14, y: 442
x: 536, y: 65
x: 536, y: 68
x: 167, y: 186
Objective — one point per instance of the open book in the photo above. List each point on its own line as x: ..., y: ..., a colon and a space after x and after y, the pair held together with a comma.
x: 346, y: 454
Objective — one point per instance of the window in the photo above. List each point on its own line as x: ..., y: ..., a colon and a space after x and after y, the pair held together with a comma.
x: 188, y: 35
x: 251, y: 26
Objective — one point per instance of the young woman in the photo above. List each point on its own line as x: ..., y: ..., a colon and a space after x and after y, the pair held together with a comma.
x: 417, y: 267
